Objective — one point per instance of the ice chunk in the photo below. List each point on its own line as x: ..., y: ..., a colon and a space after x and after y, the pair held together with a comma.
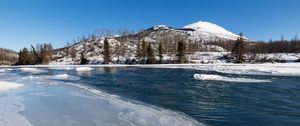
x: 84, y: 69
x: 63, y: 77
x: 227, y: 79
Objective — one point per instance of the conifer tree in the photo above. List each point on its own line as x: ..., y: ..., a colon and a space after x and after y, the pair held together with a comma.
x: 150, y: 55
x: 160, y: 53
x: 181, y: 52
x: 106, y: 52
x: 83, y: 60
x: 144, y: 51
x: 24, y: 57
x: 138, y: 52
x: 237, y: 52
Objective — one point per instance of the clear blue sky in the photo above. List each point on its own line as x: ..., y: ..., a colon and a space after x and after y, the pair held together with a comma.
x: 26, y: 22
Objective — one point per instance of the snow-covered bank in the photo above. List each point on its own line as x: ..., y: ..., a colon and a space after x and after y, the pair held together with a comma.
x: 4, y: 86
x: 285, y: 69
x: 209, y: 77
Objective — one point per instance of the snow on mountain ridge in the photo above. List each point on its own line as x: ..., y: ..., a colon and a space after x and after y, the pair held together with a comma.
x: 202, y: 26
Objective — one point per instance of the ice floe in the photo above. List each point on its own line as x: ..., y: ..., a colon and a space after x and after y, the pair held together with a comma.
x: 51, y: 77
x: 210, y: 77
x: 84, y: 68
x: 63, y: 77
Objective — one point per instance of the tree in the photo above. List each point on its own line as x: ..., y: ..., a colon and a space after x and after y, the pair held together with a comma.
x: 36, y: 58
x: 83, y: 60
x: 237, y: 52
x: 181, y: 52
x: 160, y: 53
x: 106, y: 52
x: 138, y: 52
x: 72, y: 53
x: 150, y: 55
x: 24, y: 57
x: 144, y: 51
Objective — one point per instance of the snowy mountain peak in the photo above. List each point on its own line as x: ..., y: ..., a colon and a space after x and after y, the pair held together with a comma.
x: 209, y: 27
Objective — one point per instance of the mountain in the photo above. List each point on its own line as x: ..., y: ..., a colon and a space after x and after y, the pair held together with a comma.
x: 199, y: 37
x: 199, y: 31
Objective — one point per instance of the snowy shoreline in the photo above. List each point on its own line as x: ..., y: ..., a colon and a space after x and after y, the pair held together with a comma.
x: 281, y: 69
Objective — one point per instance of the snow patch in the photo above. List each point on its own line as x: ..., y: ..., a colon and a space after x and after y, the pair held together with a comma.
x: 211, y: 77
x: 209, y: 27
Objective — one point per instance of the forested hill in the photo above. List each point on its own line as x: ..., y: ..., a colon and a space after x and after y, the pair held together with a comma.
x: 7, y: 56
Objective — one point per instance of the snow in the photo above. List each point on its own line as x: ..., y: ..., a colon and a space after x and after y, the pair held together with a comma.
x: 209, y: 77
x: 279, y: 69
x: 157, y: 27
x: 289, y: 57
x: 4, y: 86
x: 202, y: 27
x: 84, y: 68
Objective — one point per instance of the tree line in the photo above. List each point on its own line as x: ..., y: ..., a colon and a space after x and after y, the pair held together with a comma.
x: 39, y: 54
x: 240, y: 48
x: 146, y: 54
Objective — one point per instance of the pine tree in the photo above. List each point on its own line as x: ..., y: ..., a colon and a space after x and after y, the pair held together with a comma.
x: 160, y: 53
x: 150, y: 55
x: 24, y: 58
x: 83, y: 60
x: 138, y: 52
x: 36, y: 59
x: 181, y: 52
x: 237, y: 52
x: 144, y: 51
x: 106, y: 52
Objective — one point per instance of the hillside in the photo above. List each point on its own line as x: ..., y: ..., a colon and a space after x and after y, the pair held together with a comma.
x: 7, y: 56
x: 198, y: 37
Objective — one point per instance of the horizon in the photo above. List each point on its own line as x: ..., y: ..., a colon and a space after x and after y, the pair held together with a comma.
x: 58, y: 22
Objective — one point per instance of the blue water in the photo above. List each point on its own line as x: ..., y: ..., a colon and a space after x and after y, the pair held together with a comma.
x: 214, y: 103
